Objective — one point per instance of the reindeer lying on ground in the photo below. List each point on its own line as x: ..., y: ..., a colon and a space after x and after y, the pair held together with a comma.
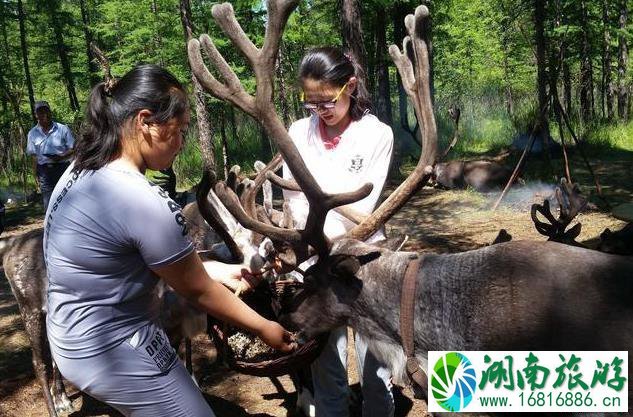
x: 508, y: 296
x: 481, y: 175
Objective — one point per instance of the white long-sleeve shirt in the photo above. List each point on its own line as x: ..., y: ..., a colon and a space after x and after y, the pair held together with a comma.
x: 362, y: 155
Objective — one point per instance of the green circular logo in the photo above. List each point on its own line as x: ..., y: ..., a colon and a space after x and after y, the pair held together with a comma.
x: 453, y: 381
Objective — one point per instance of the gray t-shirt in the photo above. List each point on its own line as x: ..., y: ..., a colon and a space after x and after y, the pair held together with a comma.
x: 104, y: 229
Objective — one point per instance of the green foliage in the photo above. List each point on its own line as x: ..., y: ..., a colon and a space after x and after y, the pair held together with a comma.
x: 483, y: 61
x: 189, y: 164
x: 610, y: 137
x: 485, y: 128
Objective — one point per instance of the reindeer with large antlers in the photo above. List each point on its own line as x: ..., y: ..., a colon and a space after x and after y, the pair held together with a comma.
x: 510, y: 296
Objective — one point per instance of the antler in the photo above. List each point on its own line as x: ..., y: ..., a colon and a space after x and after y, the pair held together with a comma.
x: 570, y: 204
x: 261, y: 107
x: 413, y: 66
x: 210, y: 208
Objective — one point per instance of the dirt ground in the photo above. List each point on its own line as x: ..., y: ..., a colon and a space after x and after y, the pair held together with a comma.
x: 444, y: 221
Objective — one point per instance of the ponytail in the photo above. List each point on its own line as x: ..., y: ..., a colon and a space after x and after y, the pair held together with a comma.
x: 361, y: 100
x: 99, y: 142
x: 111, y: 106
x: 330, y: 65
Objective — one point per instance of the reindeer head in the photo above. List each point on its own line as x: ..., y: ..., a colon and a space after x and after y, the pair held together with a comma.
x: 332, y: 288
x: 570, y: 204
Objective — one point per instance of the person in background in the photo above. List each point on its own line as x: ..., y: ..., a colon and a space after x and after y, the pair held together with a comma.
x: 51, y: 145
x: 344, y: 147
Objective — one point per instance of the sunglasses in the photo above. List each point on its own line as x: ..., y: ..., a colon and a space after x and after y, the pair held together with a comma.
x: 327, y: 105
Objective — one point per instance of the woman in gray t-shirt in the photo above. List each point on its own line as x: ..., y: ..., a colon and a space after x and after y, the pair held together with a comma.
x: 110, y: 235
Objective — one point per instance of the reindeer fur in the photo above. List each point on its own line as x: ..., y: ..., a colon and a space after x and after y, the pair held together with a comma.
x: 23, y: 262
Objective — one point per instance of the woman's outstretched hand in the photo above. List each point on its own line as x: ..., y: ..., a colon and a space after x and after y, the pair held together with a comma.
x: 275, y: 336
x: 237, y: 278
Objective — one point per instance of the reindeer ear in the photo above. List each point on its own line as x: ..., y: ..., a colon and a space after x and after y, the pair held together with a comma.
x: 368, y: 257
x: 344, y: 266
x: 393, y: 244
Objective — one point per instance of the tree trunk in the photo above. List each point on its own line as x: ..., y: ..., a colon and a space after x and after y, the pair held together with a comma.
x: 281, y: 87
x: 15, y: 105
x: 296, y: 106
x: 623, y: 57
x: 5, y: 44
x: 25, y: 57
x: 233, y: 124
x: 555, y: 57
x: 225, y: 143
x: 205, y: 130
x: 267, y: 153
x: 567, y: 87
x: 508, y: 83
x: 62, y: 52
x: 607, y: 82
x: 92, y: 65
x: 429, y: 36
x: 352, y: 34
x: 539, y: 38
x: 585, y: 66
x: 158, y: 40
x: 383, y: 98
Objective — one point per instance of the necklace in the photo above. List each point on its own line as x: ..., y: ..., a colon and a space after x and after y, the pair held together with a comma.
x: 331, y: 142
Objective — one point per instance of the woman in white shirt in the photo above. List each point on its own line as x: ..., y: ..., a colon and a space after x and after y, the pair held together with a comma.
x: 344, y: 147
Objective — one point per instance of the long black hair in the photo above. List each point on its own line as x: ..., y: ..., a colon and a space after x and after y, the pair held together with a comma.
x: 144, y: 87
x: 330, y: 65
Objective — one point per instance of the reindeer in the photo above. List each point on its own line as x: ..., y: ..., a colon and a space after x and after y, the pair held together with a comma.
x: 619, y: 242
x: 509, y: 296
x: 481, y: 175
x: 23, y: 262
x: 571, y: 203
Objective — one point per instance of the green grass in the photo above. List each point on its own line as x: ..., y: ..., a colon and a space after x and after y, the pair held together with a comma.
x: 616, y: 137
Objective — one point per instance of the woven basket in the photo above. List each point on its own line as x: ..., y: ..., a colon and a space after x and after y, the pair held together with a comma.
x: 266, y: 300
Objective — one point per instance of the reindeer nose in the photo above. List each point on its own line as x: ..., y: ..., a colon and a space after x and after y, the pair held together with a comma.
x: 301, y: 338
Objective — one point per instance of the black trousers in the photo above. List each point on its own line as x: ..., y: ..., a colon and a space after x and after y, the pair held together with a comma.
x: 48, y: 175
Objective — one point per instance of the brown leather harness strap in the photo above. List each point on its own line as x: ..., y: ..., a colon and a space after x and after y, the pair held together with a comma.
x: 407, y: 321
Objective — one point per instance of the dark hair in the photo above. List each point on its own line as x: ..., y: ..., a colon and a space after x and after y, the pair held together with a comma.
x: 330, y: 65
x: 144, y: 87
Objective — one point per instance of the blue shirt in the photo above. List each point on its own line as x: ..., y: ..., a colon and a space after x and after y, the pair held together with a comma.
x: 104, y: 231
x: 57, y: 141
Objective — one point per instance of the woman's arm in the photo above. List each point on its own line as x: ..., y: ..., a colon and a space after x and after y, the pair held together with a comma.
x: 189, y: 278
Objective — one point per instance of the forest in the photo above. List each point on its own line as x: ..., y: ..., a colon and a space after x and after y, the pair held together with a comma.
x: 512, y: 66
